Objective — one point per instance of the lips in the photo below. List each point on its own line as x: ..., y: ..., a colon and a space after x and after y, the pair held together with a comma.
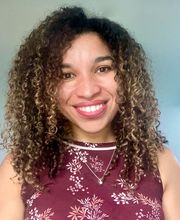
x: 91, y: 109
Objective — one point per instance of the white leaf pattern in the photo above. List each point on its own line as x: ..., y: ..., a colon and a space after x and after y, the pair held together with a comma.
x: 89, y: 206
x: 34, y: 213
x: 130, y: 197
x: 89, y: 209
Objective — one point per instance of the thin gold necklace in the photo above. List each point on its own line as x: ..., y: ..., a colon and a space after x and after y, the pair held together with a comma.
x: 101, y: 179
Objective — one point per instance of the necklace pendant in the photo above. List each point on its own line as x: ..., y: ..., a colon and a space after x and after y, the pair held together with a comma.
x: 100, y: 182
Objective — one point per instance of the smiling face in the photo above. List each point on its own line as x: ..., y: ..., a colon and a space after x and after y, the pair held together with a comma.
x: 87, y: 92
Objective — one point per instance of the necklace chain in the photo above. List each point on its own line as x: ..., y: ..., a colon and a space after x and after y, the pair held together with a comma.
x: 101, y: 179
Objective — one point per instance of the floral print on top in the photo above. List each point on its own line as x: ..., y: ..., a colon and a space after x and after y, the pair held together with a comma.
x: 75, y: 193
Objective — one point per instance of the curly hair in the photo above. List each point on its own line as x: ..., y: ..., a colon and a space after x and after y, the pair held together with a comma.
x: 35, y: 127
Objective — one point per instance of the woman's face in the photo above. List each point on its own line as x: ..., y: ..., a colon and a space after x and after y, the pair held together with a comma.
x: 87, y: 93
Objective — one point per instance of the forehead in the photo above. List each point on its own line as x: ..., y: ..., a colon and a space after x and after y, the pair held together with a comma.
x: 89, y: 44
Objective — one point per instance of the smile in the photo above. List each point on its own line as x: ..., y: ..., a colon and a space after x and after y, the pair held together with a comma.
x: 92, y: 108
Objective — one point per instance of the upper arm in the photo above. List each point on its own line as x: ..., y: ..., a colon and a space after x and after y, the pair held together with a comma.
x: 170, y: 174
x: 11, y: 205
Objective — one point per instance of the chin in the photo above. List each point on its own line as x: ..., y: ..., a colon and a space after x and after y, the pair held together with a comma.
x: 94, y: 129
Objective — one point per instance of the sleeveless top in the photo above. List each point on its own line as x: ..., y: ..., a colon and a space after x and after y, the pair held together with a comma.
x: 79, y: 192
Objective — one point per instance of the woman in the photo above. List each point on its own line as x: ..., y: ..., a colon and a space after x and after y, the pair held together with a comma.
x: 82, y: 127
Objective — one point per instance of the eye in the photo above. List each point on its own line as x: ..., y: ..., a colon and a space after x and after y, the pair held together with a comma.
x: 67, y: 76
x: 104, y: 69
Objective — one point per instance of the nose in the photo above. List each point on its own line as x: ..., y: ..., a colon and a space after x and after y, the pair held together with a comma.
x: 88, y: 87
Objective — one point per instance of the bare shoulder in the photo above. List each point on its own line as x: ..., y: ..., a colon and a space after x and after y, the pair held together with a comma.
x: 6, y: 163
x: 9, y: 183
x: 169, y: 167
x: 170, y: 173
x: 11, y: 205
x: 7, y: 173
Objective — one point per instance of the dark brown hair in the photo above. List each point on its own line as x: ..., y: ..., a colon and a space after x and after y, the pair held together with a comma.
x: 35, y: 126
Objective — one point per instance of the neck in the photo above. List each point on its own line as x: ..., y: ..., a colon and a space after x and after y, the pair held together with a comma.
x: 98, y: 137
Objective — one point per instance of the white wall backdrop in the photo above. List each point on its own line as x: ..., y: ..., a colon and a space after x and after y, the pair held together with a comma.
x: 155, y: 24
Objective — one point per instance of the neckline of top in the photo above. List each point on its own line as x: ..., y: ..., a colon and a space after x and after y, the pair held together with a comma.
x: 89, y: 146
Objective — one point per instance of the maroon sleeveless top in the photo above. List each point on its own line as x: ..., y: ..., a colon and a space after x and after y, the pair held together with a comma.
x: 82, y: 191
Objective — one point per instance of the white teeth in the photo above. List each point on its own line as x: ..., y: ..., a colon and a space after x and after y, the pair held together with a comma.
x: 91, y: 108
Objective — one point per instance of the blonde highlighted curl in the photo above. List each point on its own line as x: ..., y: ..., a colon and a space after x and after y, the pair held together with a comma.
x: 34, y: 125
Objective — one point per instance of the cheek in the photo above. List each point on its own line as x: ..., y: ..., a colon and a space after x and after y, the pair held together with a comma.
x: 59, y: 96
x: 63, y: 95
x: 111, y: 86
x: 61, y: 101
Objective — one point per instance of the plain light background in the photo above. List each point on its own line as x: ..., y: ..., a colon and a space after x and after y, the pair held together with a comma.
x: 154, y: 23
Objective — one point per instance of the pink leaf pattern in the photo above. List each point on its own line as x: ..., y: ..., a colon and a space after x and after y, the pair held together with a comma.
x: 129, y: 197
x: 89, y: 209
x: 74, y: 168
x: 96, y: 164
x: 34, y: 213
x: 79, y: 197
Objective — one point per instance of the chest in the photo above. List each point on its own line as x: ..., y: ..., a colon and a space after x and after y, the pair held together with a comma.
x: 76, y: 194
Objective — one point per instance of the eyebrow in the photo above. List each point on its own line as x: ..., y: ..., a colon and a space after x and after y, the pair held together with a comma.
x: 97, y: 60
